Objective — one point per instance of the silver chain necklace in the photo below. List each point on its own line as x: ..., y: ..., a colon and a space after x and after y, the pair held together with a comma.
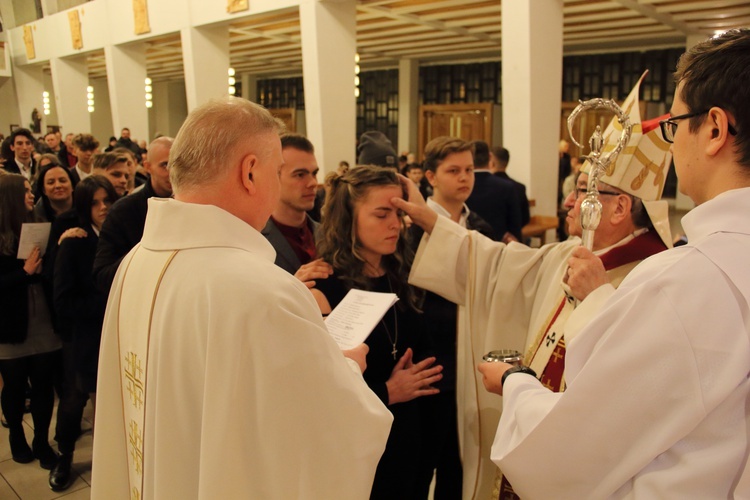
x: 391, y: 339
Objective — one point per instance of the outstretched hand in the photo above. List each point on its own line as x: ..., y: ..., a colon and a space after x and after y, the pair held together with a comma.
x: 73, y: 232
x: 416, y: 208
x: 410, y: 380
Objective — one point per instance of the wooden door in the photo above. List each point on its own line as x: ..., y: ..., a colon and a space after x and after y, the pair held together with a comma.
x: 470, y: 122
x: 288, y: 116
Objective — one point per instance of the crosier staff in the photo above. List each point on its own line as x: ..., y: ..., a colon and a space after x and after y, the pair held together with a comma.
x: 591, y: 207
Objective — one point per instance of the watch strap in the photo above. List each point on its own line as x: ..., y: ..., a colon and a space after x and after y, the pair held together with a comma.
x: 517, y: 369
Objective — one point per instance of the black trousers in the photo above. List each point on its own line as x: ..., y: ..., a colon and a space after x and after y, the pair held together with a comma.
x: 439, y: 449
x: 72, y: 403
x: 39, y: 370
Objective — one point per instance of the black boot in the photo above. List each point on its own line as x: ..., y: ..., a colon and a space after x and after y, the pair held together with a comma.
x: 19, y: 448
x: 61, y: 476
x: 44, y: 453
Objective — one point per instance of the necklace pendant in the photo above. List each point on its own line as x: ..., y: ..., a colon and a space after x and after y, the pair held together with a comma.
x: 394, y: 351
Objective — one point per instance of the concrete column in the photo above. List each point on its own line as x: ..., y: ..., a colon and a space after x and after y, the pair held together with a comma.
x: 532, y: 94
x: 126, y: 75
x: 70, y: 78
x: 408, y: 105
x: 205, y: 56
x: 328, y: 48
x: 29, y: 83
x: 249, y: 87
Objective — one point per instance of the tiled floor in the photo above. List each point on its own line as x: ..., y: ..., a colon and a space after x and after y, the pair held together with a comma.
x: 29, y: 481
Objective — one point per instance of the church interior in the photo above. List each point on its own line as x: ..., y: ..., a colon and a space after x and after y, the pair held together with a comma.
x: 506, y: 72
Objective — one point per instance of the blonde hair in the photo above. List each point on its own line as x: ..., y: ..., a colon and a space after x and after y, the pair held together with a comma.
x: 210, y: 137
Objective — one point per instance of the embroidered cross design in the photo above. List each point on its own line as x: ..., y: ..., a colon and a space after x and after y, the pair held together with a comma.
x: 557, y: 355
x: 550, y: 338
x: 136, y: 446
x: 134, y: 374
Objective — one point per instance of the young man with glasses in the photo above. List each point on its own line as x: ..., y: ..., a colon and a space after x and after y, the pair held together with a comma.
x: 657, y: 398
x: 514, y: 296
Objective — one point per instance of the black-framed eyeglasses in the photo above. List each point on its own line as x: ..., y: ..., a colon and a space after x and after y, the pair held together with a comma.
x: 581, y: 191
x: 669, y: 126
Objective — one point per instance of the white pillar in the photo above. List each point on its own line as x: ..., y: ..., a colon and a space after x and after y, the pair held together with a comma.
x: 29, y: 83
x: 532, y: 95
x: 126, y: 75
x: 70, y: 78
x: 408, y: 105
x: 205, y: 57
x: 328, y: 47
x: 249, y: 87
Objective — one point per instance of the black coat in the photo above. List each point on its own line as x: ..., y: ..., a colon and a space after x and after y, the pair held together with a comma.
x: 14, y: 299
x: 79, y: 303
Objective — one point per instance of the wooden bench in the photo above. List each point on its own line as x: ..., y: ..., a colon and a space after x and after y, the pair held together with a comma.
x: 538, y: 227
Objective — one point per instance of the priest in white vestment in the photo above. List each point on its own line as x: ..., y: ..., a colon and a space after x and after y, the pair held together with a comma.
x: 217, y: 377
x: 658, y: 382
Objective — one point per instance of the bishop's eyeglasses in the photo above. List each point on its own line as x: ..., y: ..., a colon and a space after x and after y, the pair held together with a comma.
x: 669, y: 126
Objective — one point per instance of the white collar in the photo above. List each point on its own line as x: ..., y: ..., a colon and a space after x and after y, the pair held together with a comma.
x: 437, y: 207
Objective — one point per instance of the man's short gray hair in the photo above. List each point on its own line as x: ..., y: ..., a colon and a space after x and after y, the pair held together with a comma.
x: 210, y: 136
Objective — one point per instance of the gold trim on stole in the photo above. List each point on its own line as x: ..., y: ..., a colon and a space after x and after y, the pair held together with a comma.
x: 133, y: 380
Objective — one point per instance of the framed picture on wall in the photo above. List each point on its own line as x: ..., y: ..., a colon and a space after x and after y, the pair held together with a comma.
x: 13, y: 128
x: 53, y: 128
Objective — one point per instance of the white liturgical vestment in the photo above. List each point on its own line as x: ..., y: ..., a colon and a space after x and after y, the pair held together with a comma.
x: 513, y: 298
x: 657, y: 399
x: 244, y: 393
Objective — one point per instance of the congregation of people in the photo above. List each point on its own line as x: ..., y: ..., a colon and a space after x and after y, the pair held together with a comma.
x: 184, y: 286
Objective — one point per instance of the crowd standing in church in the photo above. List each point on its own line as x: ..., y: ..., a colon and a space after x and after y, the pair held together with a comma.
x: 577, y: 316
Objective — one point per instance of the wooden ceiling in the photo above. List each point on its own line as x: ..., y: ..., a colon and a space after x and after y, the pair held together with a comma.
x: 442, y: 31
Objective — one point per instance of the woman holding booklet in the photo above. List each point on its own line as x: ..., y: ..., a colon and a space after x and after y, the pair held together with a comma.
x: 29, y: 347
x: 362, y: 238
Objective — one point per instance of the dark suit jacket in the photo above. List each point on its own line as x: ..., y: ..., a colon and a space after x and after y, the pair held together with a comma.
x: 494, y: 200
x: 62, y: 155
x: 12, y: 167
x: 121, y: 231
x: 523, y: 201
x: 285, y: 256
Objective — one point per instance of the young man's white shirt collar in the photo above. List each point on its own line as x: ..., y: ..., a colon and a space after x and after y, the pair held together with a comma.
x: 25, y: 171
x: 81, y: 174
x: 442, y: 211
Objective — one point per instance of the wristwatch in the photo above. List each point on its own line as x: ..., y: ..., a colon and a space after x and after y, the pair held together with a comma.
x: 517, y: 369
